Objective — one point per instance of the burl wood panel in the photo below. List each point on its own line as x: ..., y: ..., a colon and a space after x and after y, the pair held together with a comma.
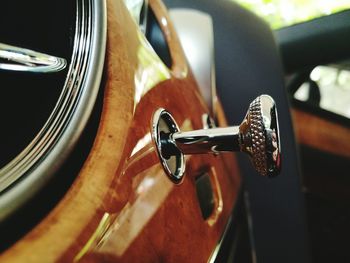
x: 122, y: 207
x: 321, y: 134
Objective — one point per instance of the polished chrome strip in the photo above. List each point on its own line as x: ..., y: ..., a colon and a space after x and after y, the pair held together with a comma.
x: 215, y: 252
x: 29, y: 60
x: 57, y: 138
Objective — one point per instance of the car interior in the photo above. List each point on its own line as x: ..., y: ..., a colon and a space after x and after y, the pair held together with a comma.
x: 301, y: 215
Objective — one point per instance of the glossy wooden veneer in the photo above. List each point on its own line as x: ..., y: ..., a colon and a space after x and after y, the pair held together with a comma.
x: 122, y: 207
x: 321, y: 134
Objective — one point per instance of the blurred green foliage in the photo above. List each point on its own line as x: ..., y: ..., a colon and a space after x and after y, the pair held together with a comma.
x: 280, y: 13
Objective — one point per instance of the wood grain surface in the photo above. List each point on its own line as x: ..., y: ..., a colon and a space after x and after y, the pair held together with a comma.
x: 321, y: 134
x: 122, y: 207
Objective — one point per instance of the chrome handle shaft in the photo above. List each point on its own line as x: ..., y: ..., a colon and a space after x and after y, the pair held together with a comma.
x: 207, y: 140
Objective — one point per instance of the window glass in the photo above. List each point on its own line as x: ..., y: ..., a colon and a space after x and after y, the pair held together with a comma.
x: 331, y: 84
x: 280, y: 13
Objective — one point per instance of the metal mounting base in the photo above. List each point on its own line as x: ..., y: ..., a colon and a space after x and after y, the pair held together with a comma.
x: 174, y: 163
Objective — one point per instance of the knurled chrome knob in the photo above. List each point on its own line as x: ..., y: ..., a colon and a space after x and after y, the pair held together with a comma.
x: 257, y: 135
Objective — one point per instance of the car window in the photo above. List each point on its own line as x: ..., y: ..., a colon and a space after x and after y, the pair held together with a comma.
x: 330, y: 85
x: 281, y: 13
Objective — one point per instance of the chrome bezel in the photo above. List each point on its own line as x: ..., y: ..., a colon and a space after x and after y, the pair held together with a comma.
x: 45, y: 154
x: 174, y: 166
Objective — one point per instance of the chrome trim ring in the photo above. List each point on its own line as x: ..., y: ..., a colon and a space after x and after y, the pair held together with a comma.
x: 174, y: 165
x: 52, y: 145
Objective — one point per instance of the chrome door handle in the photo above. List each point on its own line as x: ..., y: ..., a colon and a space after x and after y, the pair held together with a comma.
x: 257, y: 135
